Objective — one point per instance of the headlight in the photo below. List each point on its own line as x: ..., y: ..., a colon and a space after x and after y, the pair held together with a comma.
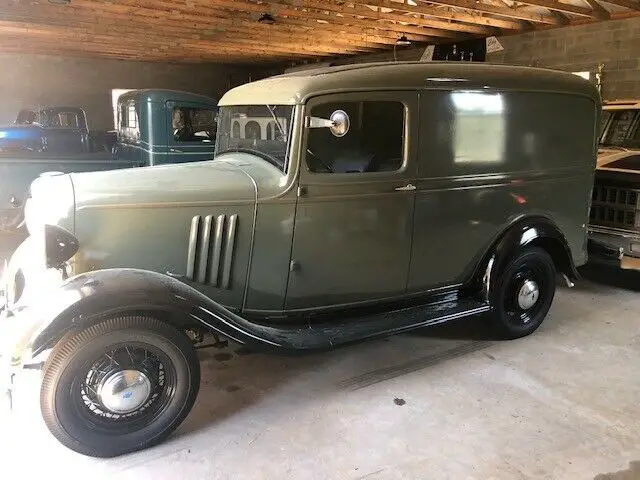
x: 59, y: 246
x: 51, y: 202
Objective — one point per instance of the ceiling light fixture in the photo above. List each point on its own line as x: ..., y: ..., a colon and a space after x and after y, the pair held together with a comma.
x: 267, y: 19
x: 412, y: 3
x: 403, y: 41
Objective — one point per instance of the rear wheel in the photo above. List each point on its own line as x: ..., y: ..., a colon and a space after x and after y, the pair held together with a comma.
x: 524, y: 293
x: 119, y: 386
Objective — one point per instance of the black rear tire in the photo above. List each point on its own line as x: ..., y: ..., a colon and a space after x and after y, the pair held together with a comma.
x: 531, y: 267
x: 79, y: 410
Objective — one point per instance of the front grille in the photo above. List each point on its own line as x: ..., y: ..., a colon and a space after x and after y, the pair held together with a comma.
x: 616, y: 207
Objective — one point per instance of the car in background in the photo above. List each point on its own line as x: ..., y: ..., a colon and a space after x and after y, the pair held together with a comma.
x: 614, y: 220
x: 54, y: 130
x: 154, y: 127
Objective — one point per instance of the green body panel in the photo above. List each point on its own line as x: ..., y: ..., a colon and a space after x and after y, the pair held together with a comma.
x: 309, y: 241
x: 150, y: 225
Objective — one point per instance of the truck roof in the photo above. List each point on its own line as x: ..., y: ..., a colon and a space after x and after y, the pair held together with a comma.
x: 294, y: 88
x: 161, y: 95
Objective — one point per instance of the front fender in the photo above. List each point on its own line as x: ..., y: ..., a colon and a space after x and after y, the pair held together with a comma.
x: 87, y: 298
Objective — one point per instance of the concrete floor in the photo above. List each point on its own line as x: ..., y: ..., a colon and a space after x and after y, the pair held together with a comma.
x: 447, y: 402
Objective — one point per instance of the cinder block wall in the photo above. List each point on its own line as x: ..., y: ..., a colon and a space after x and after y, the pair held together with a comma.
x: 615, y: 43
x: 29, y: 81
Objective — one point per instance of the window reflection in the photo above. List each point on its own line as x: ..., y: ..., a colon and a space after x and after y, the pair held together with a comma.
x: 479, y: 134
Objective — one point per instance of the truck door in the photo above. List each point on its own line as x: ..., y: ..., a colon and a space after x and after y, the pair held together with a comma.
x: 191, y: 131
x: 354, y: 217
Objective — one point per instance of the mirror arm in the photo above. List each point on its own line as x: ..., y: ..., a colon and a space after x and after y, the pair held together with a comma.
x: 317, y: 122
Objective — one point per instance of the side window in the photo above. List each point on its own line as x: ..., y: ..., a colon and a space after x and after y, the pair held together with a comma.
x: 604, y: 119
x: 476, y: 118
x: 374, y: 141
x: 476, y: 133
x: 621, y: 123
x: 128, y: 121
x: 191, y: 124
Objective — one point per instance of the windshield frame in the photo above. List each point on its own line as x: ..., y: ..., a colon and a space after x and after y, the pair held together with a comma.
x: 272, y: 110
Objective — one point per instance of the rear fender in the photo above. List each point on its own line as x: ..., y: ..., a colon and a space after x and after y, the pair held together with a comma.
x: 527, y: 232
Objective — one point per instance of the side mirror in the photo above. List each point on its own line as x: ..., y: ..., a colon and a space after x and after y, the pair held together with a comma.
x: 338, y: 123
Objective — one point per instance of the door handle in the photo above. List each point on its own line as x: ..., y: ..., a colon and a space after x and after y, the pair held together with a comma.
x: 407, y: 188
x: 175, y: 150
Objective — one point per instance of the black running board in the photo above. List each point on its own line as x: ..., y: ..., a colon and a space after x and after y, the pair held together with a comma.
x: 357, y: 329
x: 121, y: 291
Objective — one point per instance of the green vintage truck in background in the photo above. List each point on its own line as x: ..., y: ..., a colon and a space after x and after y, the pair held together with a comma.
x: 343, y: 204
x: 155, y: 127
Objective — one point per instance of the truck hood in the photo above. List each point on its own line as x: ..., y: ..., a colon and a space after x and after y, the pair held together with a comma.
x: 210, y: 182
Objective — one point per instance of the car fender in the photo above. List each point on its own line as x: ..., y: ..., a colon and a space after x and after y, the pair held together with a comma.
x: 89, y: 298
x: 525, y: 232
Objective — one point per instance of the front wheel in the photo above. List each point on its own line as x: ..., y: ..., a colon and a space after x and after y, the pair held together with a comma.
x: 119, y: 386
x: 524, y: 293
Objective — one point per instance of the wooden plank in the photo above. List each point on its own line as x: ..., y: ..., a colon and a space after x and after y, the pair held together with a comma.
x: 599, y: 11
x: 473, y: 6
x: 630, y: 4
x: 558, y: 6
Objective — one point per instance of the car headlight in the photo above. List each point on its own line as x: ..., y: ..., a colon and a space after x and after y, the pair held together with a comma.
x: 51, y: 202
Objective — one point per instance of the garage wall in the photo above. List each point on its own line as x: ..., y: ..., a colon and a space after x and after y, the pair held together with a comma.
x: 615, y: 43
x: 29, y: 81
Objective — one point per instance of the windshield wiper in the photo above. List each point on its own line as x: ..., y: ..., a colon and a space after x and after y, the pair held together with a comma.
x: 272, y: 111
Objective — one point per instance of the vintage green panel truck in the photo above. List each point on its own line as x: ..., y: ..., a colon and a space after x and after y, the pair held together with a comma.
x: 342, y: 204
x: 155, y: 127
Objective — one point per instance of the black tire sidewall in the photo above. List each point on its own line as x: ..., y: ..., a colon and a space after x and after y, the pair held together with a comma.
x: 504, y: 326
x: 58, y: 406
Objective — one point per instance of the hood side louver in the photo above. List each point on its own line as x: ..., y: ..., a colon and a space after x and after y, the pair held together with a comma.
x: 211, y: 249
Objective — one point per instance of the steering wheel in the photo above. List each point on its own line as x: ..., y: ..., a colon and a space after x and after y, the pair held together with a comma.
x: 320, y: 161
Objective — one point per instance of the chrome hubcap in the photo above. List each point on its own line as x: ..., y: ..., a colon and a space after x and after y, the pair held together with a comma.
x: 124, y: 391
x: 528, y: 294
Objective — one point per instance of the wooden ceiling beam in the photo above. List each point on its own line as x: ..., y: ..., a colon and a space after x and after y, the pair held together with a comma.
x: 599, y: 11
x: 342, y: 45
x: 359, y: 14
x: 508, y: 12
x: 558, y: 6
x: 476, y: 19
x: 630, y: 4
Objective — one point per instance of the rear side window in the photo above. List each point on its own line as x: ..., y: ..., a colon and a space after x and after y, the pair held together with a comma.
x: 474, y: 133
x: 193, y: 124
x: 374, y: 141
x: 128, y: 121
x: 622, y: 122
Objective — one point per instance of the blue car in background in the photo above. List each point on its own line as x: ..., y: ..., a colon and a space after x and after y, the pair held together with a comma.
x: 55, y: 130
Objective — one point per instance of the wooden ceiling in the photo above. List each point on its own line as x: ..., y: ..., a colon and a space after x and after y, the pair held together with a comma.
x: 229, y: 31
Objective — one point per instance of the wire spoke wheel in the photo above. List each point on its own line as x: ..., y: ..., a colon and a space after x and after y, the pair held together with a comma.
x: 125, y: 388
x: 119, y: 386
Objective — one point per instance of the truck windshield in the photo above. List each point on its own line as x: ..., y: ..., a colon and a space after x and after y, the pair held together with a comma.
x: 262, y: 130
x: 623, y: 129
